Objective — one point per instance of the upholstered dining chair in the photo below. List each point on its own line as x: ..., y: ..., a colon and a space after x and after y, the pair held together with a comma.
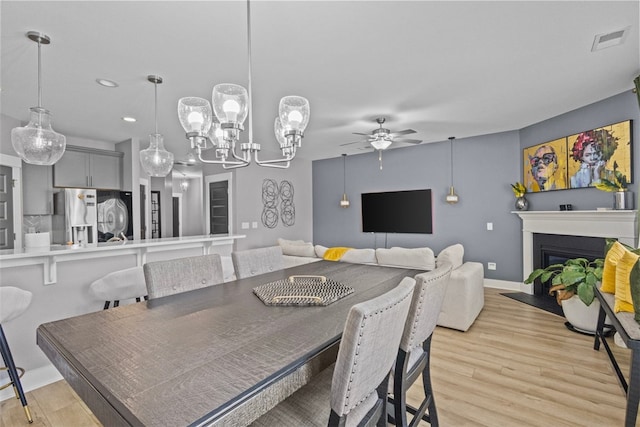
x: 182, y: 274
x: 414, y: 353
x: 120, y: 285
x: 354, y: 390
x: 252, y: 262
x: 13, y: 302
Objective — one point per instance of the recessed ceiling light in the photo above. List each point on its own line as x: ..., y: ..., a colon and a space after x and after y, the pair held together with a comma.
x: 106, y: 83
x: 129, y: 119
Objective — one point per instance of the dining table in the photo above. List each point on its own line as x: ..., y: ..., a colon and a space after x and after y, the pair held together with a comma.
x: 212, y: 356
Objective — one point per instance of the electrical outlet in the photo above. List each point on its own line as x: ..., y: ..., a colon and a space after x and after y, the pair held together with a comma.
x: 491, y: 265
x: 489, y: 226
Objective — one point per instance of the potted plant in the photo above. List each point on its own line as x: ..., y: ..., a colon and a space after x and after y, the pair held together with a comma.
x: 616, y: 182
x: 573, y: 283
x: 519, y: 190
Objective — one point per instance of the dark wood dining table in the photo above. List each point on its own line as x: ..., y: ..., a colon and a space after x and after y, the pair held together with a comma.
x: 212, y: 356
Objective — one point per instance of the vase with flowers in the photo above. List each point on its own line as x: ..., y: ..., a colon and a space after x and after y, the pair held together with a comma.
x: 519, y: 190
x: 616, y: 183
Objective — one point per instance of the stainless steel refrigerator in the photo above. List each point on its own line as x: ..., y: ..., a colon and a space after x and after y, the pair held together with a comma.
x: 75, y: 217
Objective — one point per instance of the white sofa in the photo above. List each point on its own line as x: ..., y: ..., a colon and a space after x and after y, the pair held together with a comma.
x: 465, y: 292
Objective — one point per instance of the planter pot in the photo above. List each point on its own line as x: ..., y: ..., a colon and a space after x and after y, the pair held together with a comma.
x: 623, y: 200
x: 583, y: 318
x: 522, y: 204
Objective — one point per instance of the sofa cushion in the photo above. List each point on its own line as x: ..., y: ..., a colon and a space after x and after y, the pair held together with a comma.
x: 296, y: 248
x: 359, y: 256
x: 320, y: 250
x: 453, y: 255
x: 420, y: 258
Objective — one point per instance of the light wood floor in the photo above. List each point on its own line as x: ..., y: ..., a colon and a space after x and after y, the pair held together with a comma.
x: 516, y: 366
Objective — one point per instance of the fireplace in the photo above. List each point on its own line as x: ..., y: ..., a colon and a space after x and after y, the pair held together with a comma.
x: 551, y: 249
x: 565, y: 225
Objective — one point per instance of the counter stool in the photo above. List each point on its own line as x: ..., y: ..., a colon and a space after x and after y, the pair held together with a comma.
x: 13, y: 302
x: 120, y: 285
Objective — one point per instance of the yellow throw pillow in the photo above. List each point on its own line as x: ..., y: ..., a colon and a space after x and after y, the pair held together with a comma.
x: 609, y: 270
x: 624, y: 300
x: 334, y: 254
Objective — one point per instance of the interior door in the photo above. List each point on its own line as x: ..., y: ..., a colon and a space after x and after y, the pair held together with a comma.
x: 219, y: 207
x: 143, y: 211
x: 6, y: 208
x: 156, y: 231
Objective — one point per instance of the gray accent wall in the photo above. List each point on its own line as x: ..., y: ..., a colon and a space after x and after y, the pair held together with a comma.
x: 484, y: 168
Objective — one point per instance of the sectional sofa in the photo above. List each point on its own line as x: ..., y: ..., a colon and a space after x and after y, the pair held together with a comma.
x: 465, y: 292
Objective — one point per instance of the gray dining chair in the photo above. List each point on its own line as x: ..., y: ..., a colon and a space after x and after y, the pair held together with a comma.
x: 252, y: 262
x: 414, y: 352
x: 354, y: 390
x: 13, y: 302
x: 182, y: 274
x: 119, y: 286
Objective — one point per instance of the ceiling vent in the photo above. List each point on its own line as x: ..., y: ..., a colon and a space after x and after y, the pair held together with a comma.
x: 603, y: 41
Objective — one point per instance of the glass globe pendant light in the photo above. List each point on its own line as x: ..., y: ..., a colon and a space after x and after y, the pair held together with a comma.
x: 37, y: 143
x: 156, y: 160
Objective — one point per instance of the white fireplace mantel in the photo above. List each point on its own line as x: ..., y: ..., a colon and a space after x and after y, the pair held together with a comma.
x: 620, y: 224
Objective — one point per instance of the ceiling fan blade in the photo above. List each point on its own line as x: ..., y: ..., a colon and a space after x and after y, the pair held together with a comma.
x: 408, y: 141
x: 354, y: 142
x: 402, y: 132
x: 359, y: 133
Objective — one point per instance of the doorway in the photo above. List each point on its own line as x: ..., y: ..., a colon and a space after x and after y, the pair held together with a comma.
x: 219, y: 203
x: 143, y: 211
x: 156, y: 231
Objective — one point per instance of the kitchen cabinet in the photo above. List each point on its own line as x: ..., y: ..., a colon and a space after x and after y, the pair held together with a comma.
x: 82, y: 167
x: 37, y: 190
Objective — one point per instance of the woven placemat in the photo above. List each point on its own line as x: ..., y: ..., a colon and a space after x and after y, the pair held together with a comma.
x: 302, y: 291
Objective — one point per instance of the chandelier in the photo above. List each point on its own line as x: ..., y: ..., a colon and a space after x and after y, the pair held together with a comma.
x: 219, y: 128
x: 37, y: 143
x: 155, y: 159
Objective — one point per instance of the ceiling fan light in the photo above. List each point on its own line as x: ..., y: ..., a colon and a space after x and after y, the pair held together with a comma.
x: 381, y: 144
x: 195, y: 114
x: 294, y: 112
x: 230, y: 103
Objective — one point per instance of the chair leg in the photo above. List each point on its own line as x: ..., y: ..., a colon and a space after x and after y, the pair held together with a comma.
x: 116, y: 303
x: 432, y: 418
x: 106, y: 305
x: 399, y: 396
x: 13, y: 373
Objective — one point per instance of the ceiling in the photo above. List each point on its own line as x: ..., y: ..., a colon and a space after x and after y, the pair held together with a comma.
x: 445, y: 69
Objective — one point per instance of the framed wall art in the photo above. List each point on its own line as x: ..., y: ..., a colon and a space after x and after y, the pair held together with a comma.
x: 581, y: 160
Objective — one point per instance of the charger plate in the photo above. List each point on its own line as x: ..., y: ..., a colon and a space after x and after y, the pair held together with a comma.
x: 302, y: 291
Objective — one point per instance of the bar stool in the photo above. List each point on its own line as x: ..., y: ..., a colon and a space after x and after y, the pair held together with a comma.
x: 120, y: 285
x: 13, y: 302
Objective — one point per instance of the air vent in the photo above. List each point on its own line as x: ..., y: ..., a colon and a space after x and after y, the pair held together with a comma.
x: 603, y: 41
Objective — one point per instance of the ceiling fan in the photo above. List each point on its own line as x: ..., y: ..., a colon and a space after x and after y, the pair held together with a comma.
x: 381, y: 138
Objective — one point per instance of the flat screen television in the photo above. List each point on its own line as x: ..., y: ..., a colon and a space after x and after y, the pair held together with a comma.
x: 397, y: 212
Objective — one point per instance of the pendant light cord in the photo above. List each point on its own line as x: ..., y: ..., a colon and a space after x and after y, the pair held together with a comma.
x: 155, y: 87
x: 344, y: 173
x: 249, y: 72
x: 39, y: 75
x: 451, y: 157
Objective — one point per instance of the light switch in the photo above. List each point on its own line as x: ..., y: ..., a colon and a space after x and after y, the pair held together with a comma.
x: 254, y: 224
x: 489, y: 226
x: 244, y: 225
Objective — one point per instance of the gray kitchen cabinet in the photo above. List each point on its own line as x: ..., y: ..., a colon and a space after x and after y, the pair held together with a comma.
x: 82, y: 167
x: 37, y: 190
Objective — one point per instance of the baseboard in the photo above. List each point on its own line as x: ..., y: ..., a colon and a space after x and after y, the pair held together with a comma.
x: 508, y: 285
x: 32, y: 380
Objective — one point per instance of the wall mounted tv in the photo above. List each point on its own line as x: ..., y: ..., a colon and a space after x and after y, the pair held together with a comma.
x: 397, y: 212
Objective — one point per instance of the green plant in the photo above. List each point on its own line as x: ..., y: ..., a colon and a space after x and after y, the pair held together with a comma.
x: 575, y: 276
x: 613, y: 181
x: 519, y: 190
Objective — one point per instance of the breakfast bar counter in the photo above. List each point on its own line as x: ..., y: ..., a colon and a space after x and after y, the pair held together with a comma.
x: 59, y: 278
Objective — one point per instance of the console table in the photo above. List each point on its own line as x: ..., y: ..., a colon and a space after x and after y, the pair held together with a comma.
x: 629, y: 331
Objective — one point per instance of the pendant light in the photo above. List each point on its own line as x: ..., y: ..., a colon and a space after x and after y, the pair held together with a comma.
x: 344, y: 203
x: 452, y: 198
x: 37, y: 143
x: 156, y: 160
